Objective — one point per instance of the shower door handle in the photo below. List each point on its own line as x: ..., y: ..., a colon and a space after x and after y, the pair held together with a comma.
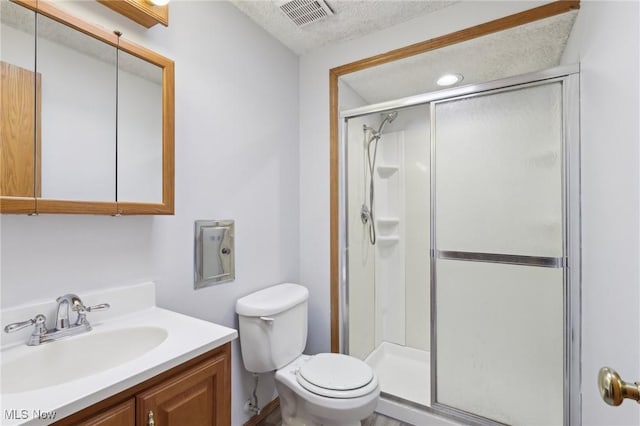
x: 614, y: 390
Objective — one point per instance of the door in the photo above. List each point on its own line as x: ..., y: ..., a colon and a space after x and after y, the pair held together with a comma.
x: 121, y: 415
x: 20, y: 140
x: 198, y: 397
x: 505, y: 239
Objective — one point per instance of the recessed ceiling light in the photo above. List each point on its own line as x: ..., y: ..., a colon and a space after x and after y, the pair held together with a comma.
x: 449, y: 79
x: 159, y: 2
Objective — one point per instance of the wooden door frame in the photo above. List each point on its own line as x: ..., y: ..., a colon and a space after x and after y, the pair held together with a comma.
x: 511, y: 21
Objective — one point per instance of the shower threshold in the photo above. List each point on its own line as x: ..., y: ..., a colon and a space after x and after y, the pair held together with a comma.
x: 403, y: 372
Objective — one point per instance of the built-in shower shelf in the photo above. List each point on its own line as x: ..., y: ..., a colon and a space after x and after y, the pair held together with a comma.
x: 387, y: 240
x: 388, y: 221
x: 387, y: 170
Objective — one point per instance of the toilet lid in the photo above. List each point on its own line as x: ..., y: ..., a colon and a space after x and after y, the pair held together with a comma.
x: 337, y: 376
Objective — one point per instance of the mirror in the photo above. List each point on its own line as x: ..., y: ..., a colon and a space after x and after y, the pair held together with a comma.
x: 78, y: 113
x: 103, y: 107
x: 139, y: 130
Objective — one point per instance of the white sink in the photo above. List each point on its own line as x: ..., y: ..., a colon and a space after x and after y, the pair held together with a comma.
x: 76, y: 357
x: 130, y: 343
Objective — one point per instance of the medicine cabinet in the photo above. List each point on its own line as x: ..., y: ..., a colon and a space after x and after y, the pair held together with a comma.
x: 87, y: 117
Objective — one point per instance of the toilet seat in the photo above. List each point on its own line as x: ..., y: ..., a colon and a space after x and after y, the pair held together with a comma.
x: 337, y: 376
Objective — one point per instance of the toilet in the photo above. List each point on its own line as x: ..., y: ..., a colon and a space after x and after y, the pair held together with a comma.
x: 325, y: 389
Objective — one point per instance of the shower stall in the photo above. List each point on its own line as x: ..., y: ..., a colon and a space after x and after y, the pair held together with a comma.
x: 460, y: 249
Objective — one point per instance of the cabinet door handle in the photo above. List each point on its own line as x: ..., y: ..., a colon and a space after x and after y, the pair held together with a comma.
x: 150, y: 420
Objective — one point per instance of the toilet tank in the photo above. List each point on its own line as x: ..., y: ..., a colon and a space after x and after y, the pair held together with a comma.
x: 273, y: 326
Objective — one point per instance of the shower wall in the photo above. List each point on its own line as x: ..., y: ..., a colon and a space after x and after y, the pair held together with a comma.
x: 361, y: 296
x: 389, y: 219
x: 416, y: 125
x: 388, y: 292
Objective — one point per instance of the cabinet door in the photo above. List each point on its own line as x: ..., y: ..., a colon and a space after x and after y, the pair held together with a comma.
x: 121, y: 415
x: 200, y: 396
x: 20, y: 118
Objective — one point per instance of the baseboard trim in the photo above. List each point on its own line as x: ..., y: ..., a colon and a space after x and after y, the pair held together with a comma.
x: 264, y: 413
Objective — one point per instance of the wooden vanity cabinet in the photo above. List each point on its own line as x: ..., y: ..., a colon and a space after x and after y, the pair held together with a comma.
x: 196, y: 393
x: 121, y: 415
x: 193, y: 398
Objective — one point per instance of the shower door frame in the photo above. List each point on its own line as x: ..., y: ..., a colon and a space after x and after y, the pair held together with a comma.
x: 568, y: 75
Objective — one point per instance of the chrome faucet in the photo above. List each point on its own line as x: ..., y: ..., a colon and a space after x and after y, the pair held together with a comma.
x: 63, y: 328
x: 64, y: 302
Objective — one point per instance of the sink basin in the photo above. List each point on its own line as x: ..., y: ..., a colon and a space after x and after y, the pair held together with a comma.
x: 76, y: 357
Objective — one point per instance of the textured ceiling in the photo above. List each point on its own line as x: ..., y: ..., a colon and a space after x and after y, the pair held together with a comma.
x: 527, y: 48
x: 351, y: 19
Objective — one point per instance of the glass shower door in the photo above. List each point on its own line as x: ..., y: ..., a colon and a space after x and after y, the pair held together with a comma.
x: 498, y: 255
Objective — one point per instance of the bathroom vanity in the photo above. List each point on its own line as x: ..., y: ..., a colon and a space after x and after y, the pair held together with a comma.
x: 197, y: 392
x: 138, y: 364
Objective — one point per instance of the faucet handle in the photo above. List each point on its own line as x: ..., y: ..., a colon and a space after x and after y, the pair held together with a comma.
x: 39, y: 321
x: 82, y: 312
x: 100, y: 307
x: 81, y: 309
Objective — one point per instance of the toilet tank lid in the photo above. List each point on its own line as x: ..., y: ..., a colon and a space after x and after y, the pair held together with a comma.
x: 271, y: 300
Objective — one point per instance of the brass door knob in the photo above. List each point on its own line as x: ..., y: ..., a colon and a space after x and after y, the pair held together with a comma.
x: 614, y: 390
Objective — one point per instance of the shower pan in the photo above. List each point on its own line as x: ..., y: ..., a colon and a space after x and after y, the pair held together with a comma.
x: 460, y: 250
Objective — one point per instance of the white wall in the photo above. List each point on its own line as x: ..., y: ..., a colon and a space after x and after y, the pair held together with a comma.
x: 605, y: 40
x: 236, y: 158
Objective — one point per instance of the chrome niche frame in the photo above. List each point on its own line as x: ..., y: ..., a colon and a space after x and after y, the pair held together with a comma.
x: 568, y: 76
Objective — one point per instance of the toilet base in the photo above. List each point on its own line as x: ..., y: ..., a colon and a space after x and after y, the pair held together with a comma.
x: 303, y: 422
x: 300, y: 407
x: 298, y: 413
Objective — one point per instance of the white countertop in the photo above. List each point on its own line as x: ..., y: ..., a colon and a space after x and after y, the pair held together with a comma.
x: 187, y: 338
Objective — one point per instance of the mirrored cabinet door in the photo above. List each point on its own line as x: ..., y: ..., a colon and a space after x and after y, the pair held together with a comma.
x: 78, y: 75
x: 20, y: 115
x: 139, y: 155
x: 87, y: 117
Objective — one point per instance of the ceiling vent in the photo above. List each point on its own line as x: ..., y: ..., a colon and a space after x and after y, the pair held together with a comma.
x: 305, y: 12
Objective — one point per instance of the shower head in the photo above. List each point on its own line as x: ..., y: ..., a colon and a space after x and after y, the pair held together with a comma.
x: 391, y: 116
x: 388, y: 118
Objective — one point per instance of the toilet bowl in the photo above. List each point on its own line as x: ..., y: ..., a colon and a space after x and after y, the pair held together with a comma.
x: 331, y: 393
x: 315, y: 390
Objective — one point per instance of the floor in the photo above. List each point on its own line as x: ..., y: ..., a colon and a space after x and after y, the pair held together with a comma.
x: 374, y: 420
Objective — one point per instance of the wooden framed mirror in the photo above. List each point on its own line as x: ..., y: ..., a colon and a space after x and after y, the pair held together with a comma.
x: 88, y: 118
